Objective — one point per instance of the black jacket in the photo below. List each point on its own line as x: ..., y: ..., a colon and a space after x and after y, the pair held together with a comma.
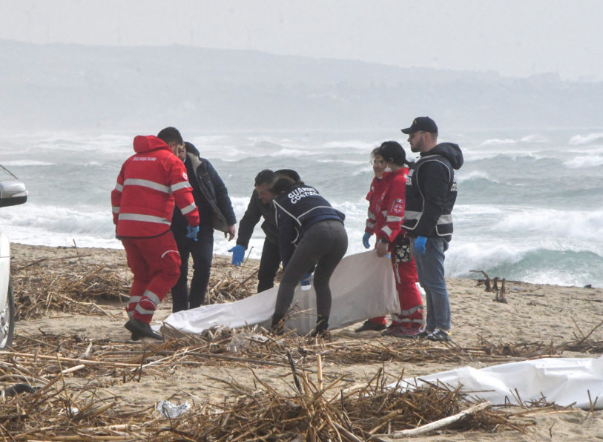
x: 256, y: 210
x: 298, y: 209
x: 211, y: 197
x: 431, y: 192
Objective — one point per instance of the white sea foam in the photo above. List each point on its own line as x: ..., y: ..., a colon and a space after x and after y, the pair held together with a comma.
x: 474, y: 175
x: 25, y: 163
x: 497, y: 141
x: 585, y: 161
x: 534, y: 139
x: 579, y: 140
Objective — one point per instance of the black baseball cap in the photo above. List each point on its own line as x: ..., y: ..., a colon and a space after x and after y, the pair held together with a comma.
x: 424, y: 124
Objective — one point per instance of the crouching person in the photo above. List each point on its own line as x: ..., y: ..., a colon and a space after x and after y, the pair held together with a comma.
x: 311, y: 232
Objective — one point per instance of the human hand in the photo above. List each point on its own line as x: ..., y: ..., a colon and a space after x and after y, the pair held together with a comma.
x: 382, y: 248
x: 420, y: 244
x: 365, y: 240
x: 191, y: 232
x: 238, y: 255
x: 232, y: 230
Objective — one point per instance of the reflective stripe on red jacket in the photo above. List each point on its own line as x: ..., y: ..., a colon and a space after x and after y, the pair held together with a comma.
x: 147, y: 186
x: 390, y: 206
x: 377, y: 188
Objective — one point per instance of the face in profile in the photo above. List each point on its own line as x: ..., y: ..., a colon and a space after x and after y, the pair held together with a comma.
x: 264, y: 193
x: 181, y: 152
x: 378, y: 165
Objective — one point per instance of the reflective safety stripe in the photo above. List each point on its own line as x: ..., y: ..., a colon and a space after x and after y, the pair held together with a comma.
x: 142, y: 311
x: 412, y: 321
x: 143, y: 218
x: 370, y: 225
x: 371, y: 215
x: 169, y: 251
x: 119, y: 187
x: 188, y: 209
x: 387, y: 231
x: 411, y: 311
x: 445, y: 219
x: 384, y: 212
x: 134, y: 299
x: 115, y: 209
x: 146, y: 183
x: 410, y: 215
x: 152, y: 297
x: 181, y: 185
x: 393, y: 219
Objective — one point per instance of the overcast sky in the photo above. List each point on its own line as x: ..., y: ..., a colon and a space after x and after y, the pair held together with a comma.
x: 513, y: 37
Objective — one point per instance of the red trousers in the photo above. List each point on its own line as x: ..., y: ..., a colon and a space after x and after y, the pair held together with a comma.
x: 411, y: 304
x: 155, y: 263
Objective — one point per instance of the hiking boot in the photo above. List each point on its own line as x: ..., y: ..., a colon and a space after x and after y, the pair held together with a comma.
x: 402, y: 332
x: 370, y: 326
x: 321, y: 330
x: 440, y: 336
x: 142, y: 329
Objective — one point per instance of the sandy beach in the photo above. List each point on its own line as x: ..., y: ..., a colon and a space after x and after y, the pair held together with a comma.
x: 535, y: 316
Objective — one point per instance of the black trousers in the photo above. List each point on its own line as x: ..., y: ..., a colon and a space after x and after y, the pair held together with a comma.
x: 324, y: 244
x: 269, y: 265
x: 202, y: 252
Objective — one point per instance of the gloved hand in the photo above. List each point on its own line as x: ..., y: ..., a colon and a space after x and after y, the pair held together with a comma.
x: 192, y: 232
x: 238, y: 255
x: 306, y: 280
x: 420, y: 244
x: 365, y: 240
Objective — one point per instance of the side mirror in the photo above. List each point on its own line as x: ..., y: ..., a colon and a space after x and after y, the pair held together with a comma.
x: 12, y: 191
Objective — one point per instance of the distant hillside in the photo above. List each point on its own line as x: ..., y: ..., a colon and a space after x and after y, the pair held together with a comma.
x: 88, y: 87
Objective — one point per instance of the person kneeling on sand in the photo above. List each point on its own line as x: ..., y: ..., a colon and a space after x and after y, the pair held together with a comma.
x: 311, y: 232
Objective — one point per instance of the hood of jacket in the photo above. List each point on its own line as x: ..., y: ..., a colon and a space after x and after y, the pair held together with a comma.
x: 450, y: 151
x: 147, y: 143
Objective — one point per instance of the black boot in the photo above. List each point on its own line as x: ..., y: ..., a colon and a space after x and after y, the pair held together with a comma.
x: 322, y: 325
x: 141, y: 329
x: 278, y: 324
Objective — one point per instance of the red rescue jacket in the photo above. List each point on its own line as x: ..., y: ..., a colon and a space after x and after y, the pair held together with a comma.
x: 147, y: 186
x: 377, y: 188
x: 390, y: 205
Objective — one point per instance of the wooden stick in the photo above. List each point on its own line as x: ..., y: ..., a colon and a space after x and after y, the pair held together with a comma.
x: 439, y: 423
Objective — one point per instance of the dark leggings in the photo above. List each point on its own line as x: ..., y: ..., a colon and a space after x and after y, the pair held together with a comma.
x: 323, y: 244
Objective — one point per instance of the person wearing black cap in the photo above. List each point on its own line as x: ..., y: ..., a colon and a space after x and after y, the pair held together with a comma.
x: 215, y: 212
x: 430, y: 196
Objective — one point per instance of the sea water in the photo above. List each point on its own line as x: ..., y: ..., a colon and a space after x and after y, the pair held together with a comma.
x: 529, y: 207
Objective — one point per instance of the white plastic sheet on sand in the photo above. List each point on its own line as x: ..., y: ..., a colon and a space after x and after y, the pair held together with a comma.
x: 562, y: 381
x: 362, y: 287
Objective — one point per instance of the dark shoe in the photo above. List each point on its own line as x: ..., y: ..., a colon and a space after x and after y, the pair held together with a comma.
x: 370, y: 326
x: 321, y: 330
x: 440, y: 336
x: 135, y: 337
x: 425, y: 334
x: 142, y: 329
x: 401, y: 332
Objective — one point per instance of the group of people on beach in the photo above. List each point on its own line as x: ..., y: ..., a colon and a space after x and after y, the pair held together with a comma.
x: 168, y: 201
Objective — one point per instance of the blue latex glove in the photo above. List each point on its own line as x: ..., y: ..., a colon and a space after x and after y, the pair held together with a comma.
x: 238, y: 255
x: 191, y: 232
x: 365, y: 240
x: 420, y: 244
x: 305, y: 281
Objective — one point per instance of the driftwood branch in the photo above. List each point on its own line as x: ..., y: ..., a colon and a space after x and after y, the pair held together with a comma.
x: 442, y: 423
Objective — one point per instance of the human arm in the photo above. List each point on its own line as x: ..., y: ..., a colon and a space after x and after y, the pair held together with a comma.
x: 252, y: 216
x: 182, y: 191
x: 434, y: 183
x: 221, y: 192
x: 116, y: 196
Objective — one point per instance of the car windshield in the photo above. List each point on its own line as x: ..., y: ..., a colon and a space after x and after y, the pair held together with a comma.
x: 5, y: 175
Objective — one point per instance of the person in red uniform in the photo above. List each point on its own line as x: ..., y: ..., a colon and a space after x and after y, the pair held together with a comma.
x: 375, y: 192
x: 392, y: 238
x: 149, y: 184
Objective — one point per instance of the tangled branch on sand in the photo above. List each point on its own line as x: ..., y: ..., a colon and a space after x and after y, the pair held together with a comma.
x: 67, y: 403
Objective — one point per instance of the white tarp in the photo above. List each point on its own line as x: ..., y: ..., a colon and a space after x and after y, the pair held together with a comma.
x: 362, y: 287
x: 562, y: 381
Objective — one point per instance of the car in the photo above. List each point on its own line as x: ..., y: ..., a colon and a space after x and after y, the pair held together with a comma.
x: 12, y: 192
